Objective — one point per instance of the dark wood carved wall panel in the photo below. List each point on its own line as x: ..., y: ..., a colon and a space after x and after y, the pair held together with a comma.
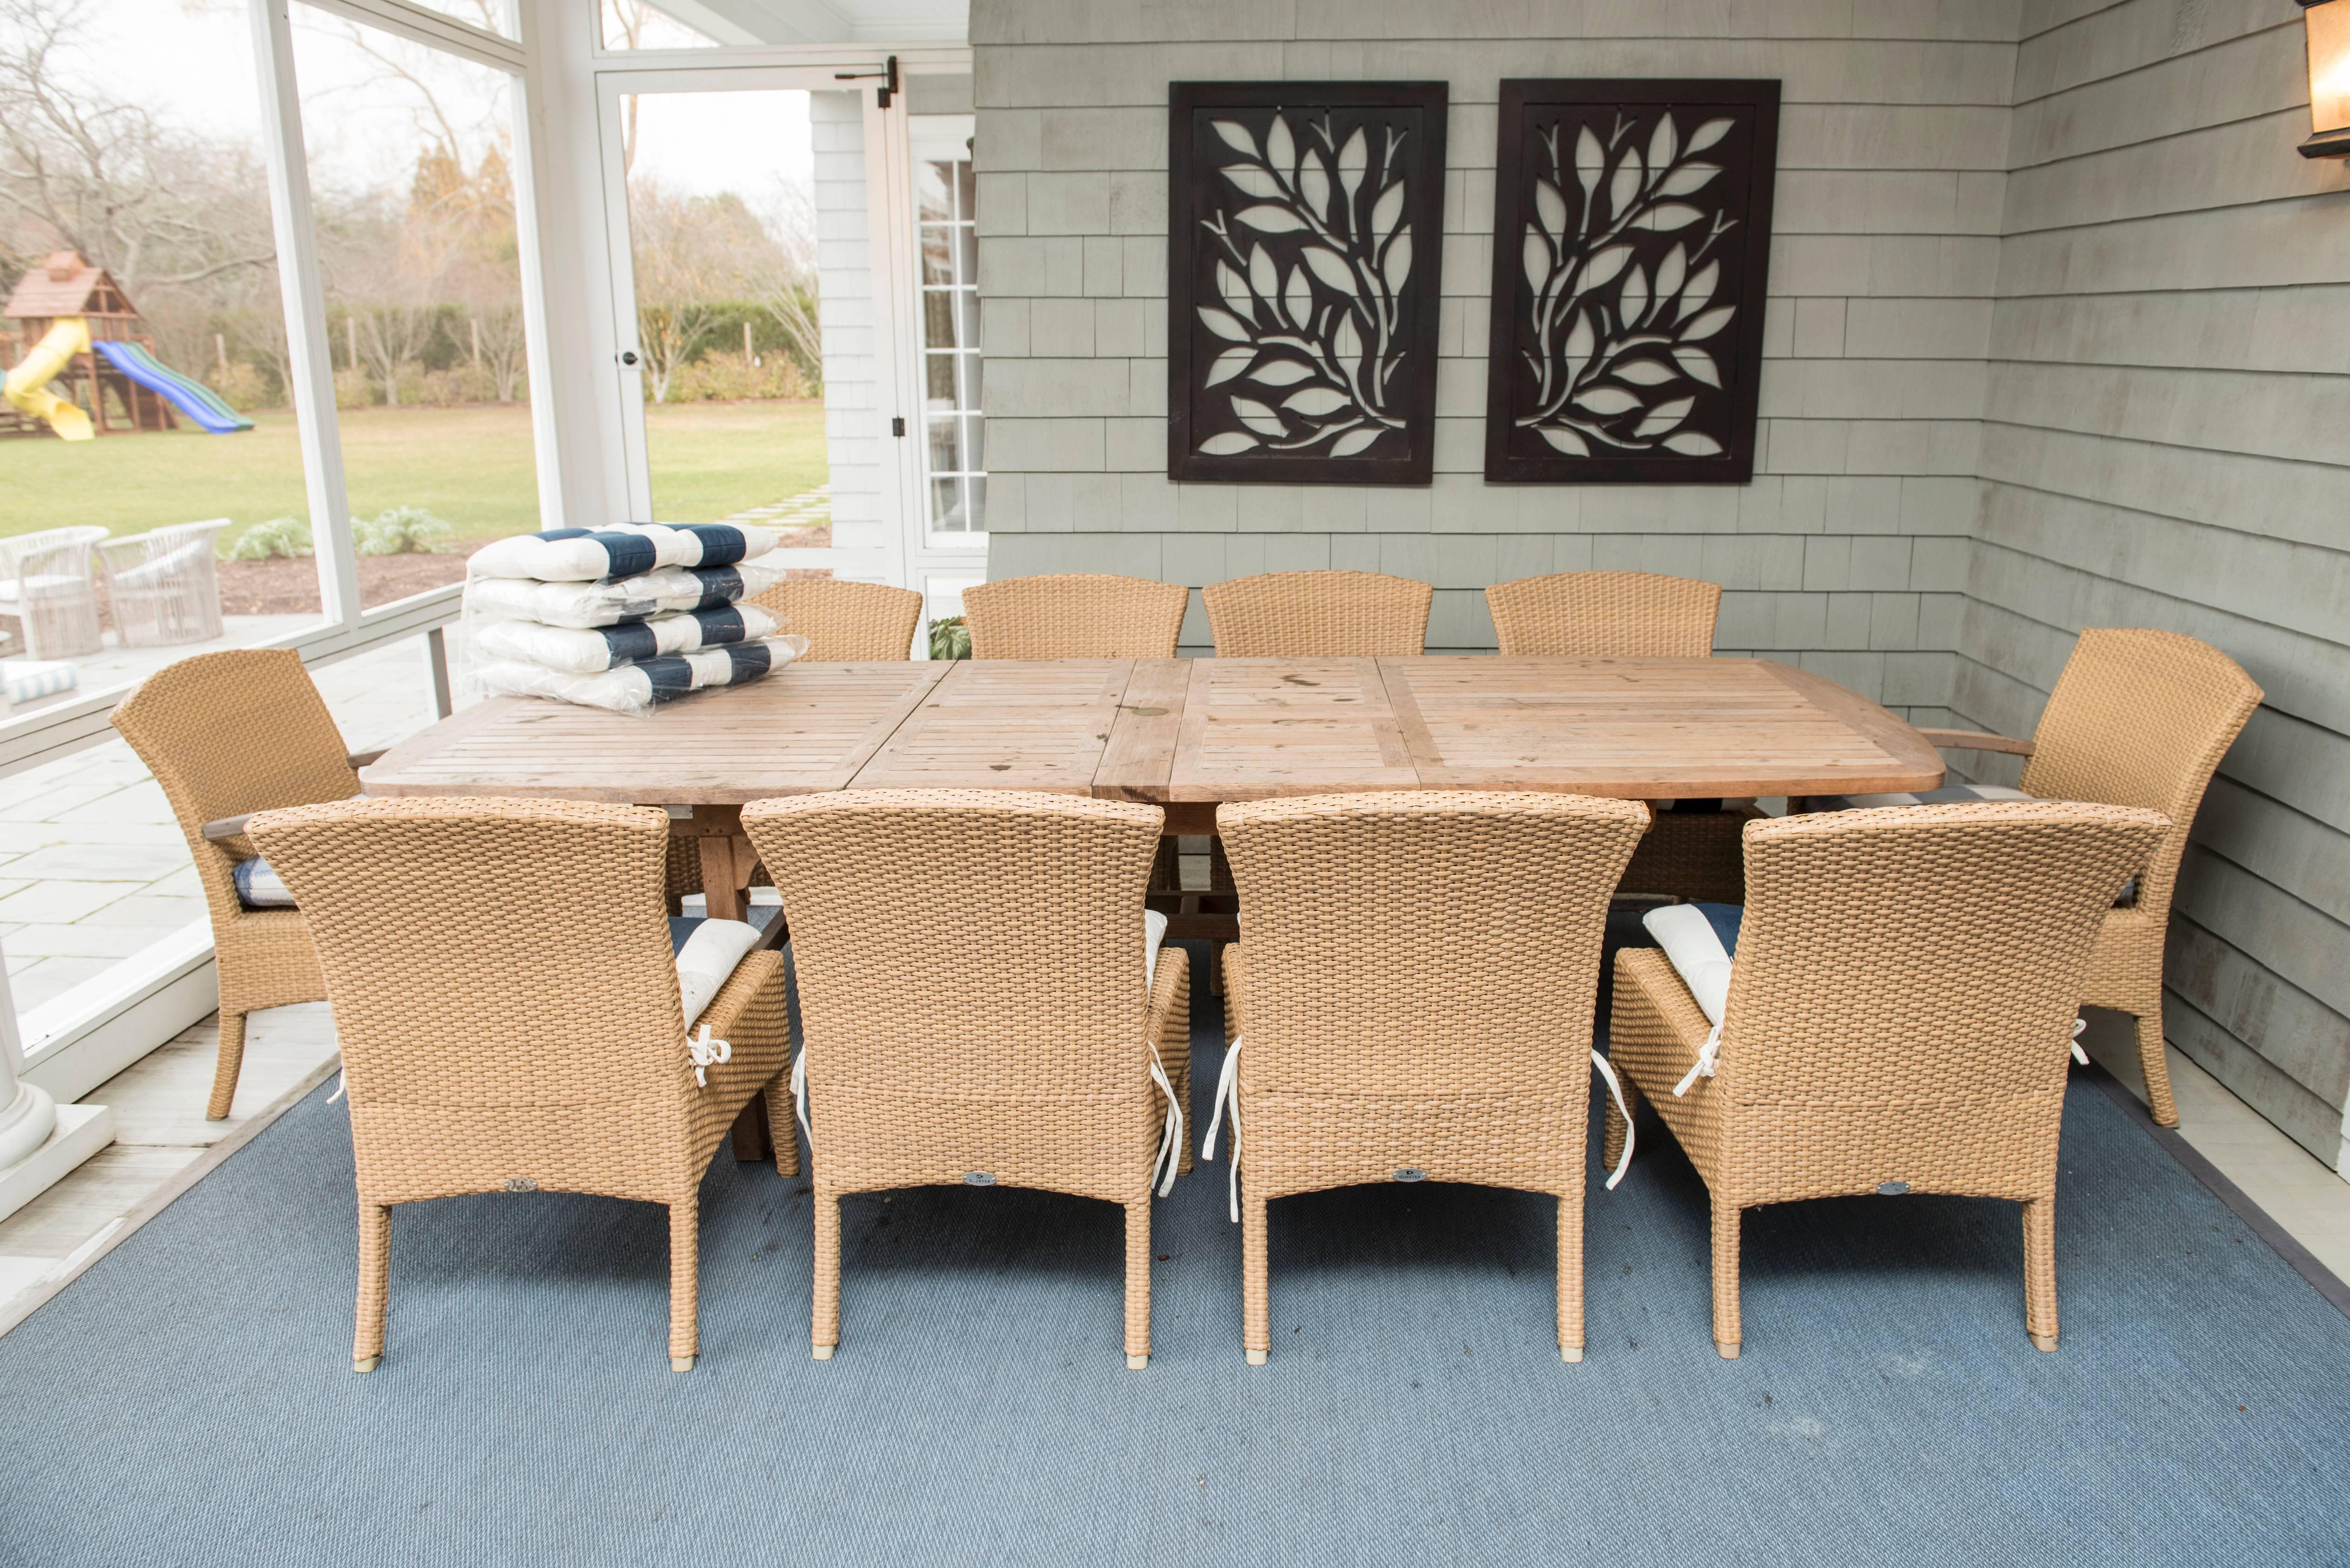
x: 1305, y: 233
x: 1631, y: 247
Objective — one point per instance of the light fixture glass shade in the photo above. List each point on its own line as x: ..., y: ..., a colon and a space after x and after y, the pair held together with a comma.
x: 2329, y: 80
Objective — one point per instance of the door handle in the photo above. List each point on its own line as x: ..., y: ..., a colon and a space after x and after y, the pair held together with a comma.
x: 628, y: 357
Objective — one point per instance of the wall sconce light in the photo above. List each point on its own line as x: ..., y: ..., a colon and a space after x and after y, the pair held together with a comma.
x: 2328, y: 22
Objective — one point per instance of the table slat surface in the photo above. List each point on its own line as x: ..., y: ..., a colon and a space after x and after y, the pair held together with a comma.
x: 1006, y: 725
x: 1254, y: 728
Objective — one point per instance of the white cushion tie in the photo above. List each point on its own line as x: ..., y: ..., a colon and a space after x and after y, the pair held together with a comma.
x: 707, y: 1053
x: 799, y: 1095
x: 1227, y: 1098
x: 1622, y: 1161
x: 2078, y: 1054
x: 1695, y: 951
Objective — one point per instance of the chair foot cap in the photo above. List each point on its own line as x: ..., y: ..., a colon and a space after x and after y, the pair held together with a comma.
x: 2043, y: 1342
x: 681, y: 1362
x: 821, y: 1352
x: 366, y: 1364
x: 1570, y: 1353
x: 1256, y: 1357
x: 1729, y: 1352
x: 1137, y: 1363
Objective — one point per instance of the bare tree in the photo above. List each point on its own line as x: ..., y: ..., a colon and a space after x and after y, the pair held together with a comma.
x: 783, y: 277
x: 691, y: 254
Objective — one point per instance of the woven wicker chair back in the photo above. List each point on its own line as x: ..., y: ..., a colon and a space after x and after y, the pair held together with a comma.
x: 845, y: 622
x: 974, y: 944
x: 1318, y: 615
x: 1605, y: 614
x: 1075, y: 615
x: 490, y: 952
x: 1422, y: 943
x: 2140, y: 717
x: 1899, y: 956
x: 232, y: 733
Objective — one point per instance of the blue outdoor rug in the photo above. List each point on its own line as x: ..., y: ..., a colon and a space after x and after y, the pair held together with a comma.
x: 189, y: 1401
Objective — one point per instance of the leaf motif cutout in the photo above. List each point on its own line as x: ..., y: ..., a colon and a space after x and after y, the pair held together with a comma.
x: 1259, y: 418
x: 1331, y: 268
x: 1229, y: 363
x: 1643, y: 372
x: 1601, y: 269
x: 1389, y: 209
x: 1226, y: 444
x: 1299, y: 297
x: 1236, y: 136
x: 1579, y: 339
x: 1687, y: 179
x: 1235, y: 292
x: 1538, y: 256
x: 1666, y: 216
x: 1263, y: 276
x: 1664, y: 142
x: 1606, y: 400
x: 1315, y: 186
x: 1699, y: 289
x: 1345, y: 343
x: 1398, y: 267
x: 1566, y: 441
x: 1706, y: 135
x: 1672, y: 271
x: 1590, y: 162
x: 1694, y: 444
x: 1706, y: 326
x: 1635, y: 296
x: 1281, y: 148
x: 1351, y: 161
x: 1279, y: 372
x: 1268, y: 219
x: 1354, y: 441
x: 1625, y: 189
x: 1253, y: 180
x: 1224, y: 324
x: 1698, y: 365
x: 1551, y: 208
x: 1665, y: 416
x: 1316, y: 400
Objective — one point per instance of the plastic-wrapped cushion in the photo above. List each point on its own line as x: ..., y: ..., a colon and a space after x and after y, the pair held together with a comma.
x: 624, y: 550
x: 591, y: 650
x: 666, y: 590
x: 634, y: 688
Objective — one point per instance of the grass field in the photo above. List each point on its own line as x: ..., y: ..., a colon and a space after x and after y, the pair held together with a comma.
x: 471, y: 465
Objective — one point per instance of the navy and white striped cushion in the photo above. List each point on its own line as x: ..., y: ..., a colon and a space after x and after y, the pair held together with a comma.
x: 593, y: 650
x: 633, y: 688
x: 260, y: 888
x: 626, y: 550
x: 667, y: 590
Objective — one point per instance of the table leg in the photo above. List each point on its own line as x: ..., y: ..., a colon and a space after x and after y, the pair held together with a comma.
x: 725, y: 868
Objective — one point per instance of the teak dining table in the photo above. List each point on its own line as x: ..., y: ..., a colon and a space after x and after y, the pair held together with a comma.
x: 1184, y: 734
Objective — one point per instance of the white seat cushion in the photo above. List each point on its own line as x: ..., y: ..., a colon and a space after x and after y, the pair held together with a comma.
x: 1699, y: 942
x: 260, y: 888
x: 707, y: 958
x: 1154, y: 934
x: 1950, y: 795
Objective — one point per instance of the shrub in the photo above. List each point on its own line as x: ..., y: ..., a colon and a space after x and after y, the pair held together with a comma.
x: 355, y: 389
x: 403, y: 530
x: 241, y: 386
x: 287, y: 536
x: 728, y: 378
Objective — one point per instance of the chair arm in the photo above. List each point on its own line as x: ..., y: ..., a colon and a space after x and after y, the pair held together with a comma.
x: 1975, y: 741
x: 222, y: 829
x: 1168, y: 987
x: 1235, y: 989
x: 359, y: 759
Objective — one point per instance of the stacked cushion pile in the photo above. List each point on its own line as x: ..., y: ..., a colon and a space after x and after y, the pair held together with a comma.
x: 626, y: 617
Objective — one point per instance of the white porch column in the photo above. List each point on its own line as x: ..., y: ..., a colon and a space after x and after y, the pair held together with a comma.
x: 26, y: 1114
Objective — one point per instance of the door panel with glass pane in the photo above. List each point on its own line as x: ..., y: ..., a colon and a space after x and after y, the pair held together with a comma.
x: 954, y: 452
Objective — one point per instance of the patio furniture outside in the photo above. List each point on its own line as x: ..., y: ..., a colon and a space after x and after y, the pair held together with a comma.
x: 45, y: 584
x: 1015, y: 1043
x: 1899, y: 1015
x: 844, y: 620
x: 1318, y: 615
x: 1075, y: 615
x: 1412, y: 1001
x: 488, y: 1053
x: 2139, y: 718
x: 164, y: 585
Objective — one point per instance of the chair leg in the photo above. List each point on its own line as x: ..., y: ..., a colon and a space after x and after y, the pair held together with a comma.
x: 232, y: 1061
x: 1614, y: 1128
x: 824, y: 1332
x: 2155, y: 1065
x: 375, y: 1286
x: 1727, y: 1331
x: 1257, y: 1312
x: 783, y: 1131
x: 684, y: 1284
x: 1138, y: 1283
x: 1570, y: 1277
x: 2040, y: 1271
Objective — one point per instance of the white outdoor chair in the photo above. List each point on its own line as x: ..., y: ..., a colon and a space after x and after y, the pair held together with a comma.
x: 45, y: 583
x: 165, y: 586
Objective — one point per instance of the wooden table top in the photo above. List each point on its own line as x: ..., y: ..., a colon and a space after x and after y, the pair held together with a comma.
x: 1193, y: 730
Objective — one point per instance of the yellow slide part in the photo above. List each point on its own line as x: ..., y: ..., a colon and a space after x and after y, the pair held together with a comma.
x: 68, y: 337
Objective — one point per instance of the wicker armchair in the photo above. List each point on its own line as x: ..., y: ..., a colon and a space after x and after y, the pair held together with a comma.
x: 934, y: 1051
x: 1412, y: 997
x: 1318, y: 615
x: 164, y: 585
x: 1605, y: 615
x: 844, y: 621
x: 45, y: 584
x: 1075, y: 615
x: 491, y: 1045
x: 226, y: 734
x: 1899, y: 1017
x: 2137, y: 718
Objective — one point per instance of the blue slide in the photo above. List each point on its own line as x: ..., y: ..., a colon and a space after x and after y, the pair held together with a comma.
x: 192, y: 399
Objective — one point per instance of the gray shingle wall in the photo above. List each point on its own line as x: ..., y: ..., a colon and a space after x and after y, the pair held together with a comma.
x: 2164, y: 445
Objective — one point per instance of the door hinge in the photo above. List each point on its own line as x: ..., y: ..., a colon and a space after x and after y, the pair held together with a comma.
x: 887, y: 78
x: 897, y: 427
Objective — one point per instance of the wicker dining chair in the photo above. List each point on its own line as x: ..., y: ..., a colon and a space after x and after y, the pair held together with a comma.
x: 1411, y: 998
x: 227, y: 734
x: 1899, y: 1017
x: 501, y: 1043
x: 1690, y: 853
x: 935, y: 1051
x: 845, y: 622
x: 1318, y: 615
x: 2139, y: 717
x: 1075, y: 615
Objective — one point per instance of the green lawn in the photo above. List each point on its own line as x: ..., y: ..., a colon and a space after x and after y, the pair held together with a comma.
x: 471, y: 466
